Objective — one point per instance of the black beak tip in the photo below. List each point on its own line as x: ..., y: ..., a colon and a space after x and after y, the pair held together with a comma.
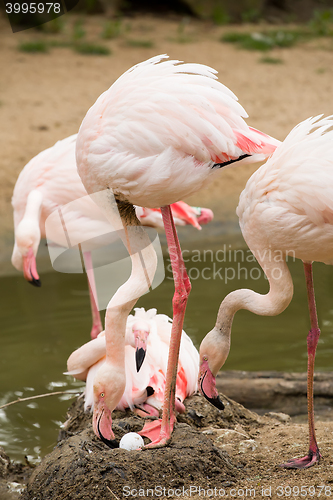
x: 139, y: 357
x: 113, y: 443
x: 215, y: 401
x: 35, y: 282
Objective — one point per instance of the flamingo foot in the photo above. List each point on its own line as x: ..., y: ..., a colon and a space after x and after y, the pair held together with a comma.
x: 309, y: 460
x: 154, y: 431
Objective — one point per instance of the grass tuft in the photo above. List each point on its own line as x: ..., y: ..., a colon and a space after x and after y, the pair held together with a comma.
x: 112, y: 29
x: 146, y: 44
x: 55, y: 26
x: 271, y: 60
x: 78, y: 30
x: 220, y: 16
x: 322, y: 23
x: 266, y: 40
x: 91, y: 49
x: 37, y: 46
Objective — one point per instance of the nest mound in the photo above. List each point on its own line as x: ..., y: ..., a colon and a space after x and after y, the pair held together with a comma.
x: 82, y: 467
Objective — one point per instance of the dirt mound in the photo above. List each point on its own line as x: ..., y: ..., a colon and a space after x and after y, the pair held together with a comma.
x: 13, y: 476
x: 82, y: 467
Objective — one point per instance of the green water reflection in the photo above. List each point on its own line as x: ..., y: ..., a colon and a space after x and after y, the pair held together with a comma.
x: 41, y: 327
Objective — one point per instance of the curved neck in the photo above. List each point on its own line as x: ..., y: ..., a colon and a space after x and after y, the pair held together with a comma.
x: 33, y: 206
x: 273, y: 303
x: 144, y: 262
x: 27, y: 233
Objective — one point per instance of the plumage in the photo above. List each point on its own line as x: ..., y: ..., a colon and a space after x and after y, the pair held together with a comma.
x: 50, y: 182
x: 285, y: 209
x: 292, y: 194
x: 163, y: 123
x: 155, y: 136
x: 85, y: 362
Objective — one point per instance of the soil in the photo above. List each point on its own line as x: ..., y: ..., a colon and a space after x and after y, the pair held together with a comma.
x: 231, y: 453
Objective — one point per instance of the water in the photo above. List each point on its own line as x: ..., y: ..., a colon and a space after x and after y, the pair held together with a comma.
x: 41, y: 327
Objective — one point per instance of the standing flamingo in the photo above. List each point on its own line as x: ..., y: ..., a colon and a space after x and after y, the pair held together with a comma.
x: 144, y: 391
x: 285, y: 208
x: 50, y: 181
x: 162, y: 131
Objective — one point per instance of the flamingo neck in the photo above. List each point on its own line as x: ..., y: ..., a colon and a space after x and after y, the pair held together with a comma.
x: 28, y: 233
x: 217, y: 342
x: 273, y: 303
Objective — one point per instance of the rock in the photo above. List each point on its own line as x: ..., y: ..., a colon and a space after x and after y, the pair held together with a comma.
x: 276, y: 391
x: 4, y: 463
x: 246, y: 446
x: 281, y: 417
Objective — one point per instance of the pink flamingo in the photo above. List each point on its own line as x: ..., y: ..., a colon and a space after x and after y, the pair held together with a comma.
x: 286, y: 208
x: 162, y: 131
x: 49, y: 181
x: 144, y: 391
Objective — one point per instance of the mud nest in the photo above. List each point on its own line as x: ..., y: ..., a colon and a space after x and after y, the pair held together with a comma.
x: 82, y: 467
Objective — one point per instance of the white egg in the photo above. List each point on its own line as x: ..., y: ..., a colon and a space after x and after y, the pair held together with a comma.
x: 131, y: 441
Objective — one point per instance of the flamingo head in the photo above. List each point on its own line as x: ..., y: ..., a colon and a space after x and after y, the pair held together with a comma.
x: 214, y: 351
x: 27, y: 238
x: 141, y: 330
x: 109, y: 386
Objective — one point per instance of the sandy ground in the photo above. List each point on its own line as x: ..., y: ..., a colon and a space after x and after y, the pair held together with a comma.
x: 44, y: 97
x: 232, y: 453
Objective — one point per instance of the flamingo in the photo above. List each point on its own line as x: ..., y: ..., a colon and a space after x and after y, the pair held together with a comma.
x: 286, y: 208
x: 49, y: 181
x: 162, y: 131
x: 144, y: 392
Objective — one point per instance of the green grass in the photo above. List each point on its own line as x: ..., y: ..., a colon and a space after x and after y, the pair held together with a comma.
x: 37, y: 46
x: 91, y: 49
x: 251, y: 16
x: 146, y: 44
x: 271, y: 60
x: 268, y: 39
x: 78, y: 30
x: 55, y: 26
x: 220, y: 16
x: 112, y: 29
x: 322, y: 23
x: 264, y: 40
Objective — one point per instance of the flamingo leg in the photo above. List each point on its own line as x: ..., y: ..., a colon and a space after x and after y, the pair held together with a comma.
x: 160, y: 430
x: 97, y: 326
x: 313, y: 455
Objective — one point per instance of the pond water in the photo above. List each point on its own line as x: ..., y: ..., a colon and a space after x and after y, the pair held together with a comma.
x: 41, y: 327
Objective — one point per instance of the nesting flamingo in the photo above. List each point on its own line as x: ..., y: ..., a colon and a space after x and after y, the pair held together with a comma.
x: 286, y: 208
x: 144, y: 391
x: 161, y: 132
x: 50, y: 181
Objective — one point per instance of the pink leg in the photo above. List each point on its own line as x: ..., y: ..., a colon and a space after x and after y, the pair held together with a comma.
x: 313, y: 455
x: 163, y: 429
x: 97, y: 323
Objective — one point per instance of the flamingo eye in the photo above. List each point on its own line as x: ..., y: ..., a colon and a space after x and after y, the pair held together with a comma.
x: 205, y: 358
x: 102, y: 394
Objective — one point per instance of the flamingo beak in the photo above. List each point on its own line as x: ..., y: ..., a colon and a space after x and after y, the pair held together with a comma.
x: 140, y: 347
x: 29, y: 268
x: 102, y: 426
x: 207, y: 385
